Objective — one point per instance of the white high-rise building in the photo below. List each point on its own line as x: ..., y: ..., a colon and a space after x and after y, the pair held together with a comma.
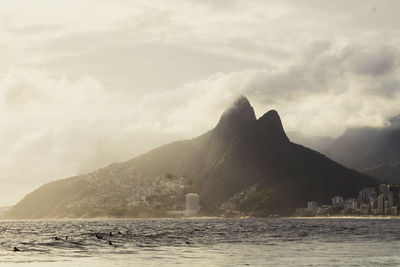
x: 192, y: 204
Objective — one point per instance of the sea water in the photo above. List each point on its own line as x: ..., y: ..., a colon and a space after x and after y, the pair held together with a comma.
x: 202, y: 242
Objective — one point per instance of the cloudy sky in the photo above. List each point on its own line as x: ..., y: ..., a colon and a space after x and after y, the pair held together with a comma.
x: 84, y: 83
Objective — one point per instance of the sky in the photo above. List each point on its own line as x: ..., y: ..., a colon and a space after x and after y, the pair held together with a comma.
x: 90, y: 82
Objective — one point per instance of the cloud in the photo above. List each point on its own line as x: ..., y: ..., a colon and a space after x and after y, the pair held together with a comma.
x: 55, y: 127
x: 321, y: 94
x: 44, y: 123
x: 381, y: 61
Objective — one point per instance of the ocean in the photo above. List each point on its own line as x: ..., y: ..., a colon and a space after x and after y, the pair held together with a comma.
x: 202, y: 242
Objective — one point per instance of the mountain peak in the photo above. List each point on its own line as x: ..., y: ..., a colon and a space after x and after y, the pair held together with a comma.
x: 239, y: 117
x: 241, y: 102
x: 271, y: 126
x: 240, y: 114
x: 271, y: 115
x: 241, y: 106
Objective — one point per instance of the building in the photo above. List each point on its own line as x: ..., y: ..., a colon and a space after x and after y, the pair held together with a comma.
x: 312, y: 205
x: 390, y: 198
x: 350, y: 204
x: 337, y: 201
x: 383, y: 189
x: 374, y: 204
x: 395, y: 210
x: 366, y: 209
x: 365, y: 195
x: 388, y: 208
x: 394, y: 190
x: 192, y: 204
x: 381, y: 204
x: 325, y: 210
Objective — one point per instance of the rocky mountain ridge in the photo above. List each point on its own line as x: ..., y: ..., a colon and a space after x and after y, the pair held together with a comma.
x: 239, y: 152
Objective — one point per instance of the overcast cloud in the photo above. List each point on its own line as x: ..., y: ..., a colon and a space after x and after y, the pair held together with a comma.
x: 86, y: 83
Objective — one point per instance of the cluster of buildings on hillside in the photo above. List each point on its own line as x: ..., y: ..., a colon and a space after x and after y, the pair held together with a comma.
x: 368, y: 202
x: 156, y: 193
x: 192, y: 206
x: 134, y: 190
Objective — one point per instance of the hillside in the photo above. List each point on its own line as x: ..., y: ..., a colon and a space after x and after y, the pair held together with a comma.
x: 240, y: 152
x: 375, y: 151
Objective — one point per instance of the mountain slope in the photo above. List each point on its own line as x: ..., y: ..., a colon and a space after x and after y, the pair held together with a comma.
x: 375, y: 151
x: 239, y: 152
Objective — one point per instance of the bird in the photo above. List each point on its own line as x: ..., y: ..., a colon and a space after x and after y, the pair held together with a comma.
x: 66, y: 237
x: 16, y: 249
x: 111, y: 234
x: 110, y: 243
x: 56, y: 238
x: 119, y: 232
x: 188, y: 242
x: 98, y: 236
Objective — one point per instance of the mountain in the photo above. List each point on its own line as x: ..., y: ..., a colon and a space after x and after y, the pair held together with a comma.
x: 241, y: 154
x: 375, y: 151
x: 317, y: 143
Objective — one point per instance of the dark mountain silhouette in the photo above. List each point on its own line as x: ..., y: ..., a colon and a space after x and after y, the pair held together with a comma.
x: 375, y: 151
x: 241, y: 151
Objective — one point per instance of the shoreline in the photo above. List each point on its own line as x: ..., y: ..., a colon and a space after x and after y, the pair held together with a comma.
x: 202, y: 218
x: 345, y: 217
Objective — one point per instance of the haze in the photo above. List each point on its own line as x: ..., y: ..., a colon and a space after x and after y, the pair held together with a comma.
x: 87, y: 83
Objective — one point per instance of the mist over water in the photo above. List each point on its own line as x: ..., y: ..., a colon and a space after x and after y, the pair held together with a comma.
x: 201, y: 242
